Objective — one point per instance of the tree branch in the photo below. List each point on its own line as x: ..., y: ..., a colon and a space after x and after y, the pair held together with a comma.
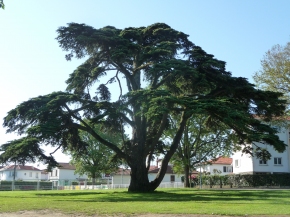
x: 88, y: 129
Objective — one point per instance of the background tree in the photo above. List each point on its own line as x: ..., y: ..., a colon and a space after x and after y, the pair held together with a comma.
x: 274, y: 74
x: 158, y: 72
x: 98, y: 159
x: 202, y: 140
x: 22, y: 151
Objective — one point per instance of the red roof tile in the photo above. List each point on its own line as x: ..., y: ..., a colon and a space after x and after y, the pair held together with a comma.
x: 121, y: 171
x: 169, y: 170
x: 222, y: 160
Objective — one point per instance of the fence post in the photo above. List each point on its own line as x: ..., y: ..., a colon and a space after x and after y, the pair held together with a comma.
x: 37, y: 186
x: 12, y: 185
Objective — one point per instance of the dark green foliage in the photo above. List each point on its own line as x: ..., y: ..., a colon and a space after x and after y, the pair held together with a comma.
x: 245, y: 180
x: 204, y: 138
x: 24, y: 150
x: 265, y: 180
x: 98, y: 159
x: 25, y: 185
x: 2, y: 4
x: 156, y: 72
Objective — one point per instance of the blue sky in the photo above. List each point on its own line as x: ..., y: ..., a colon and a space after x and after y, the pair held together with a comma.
x: 32, y: 64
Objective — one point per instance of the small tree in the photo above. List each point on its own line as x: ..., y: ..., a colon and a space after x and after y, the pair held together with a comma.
x: 274, y: 74
x: 203, y: 139
x: 98, y: 158
x: 25, y: 150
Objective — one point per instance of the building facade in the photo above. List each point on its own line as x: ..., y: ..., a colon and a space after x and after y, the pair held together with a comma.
x: 22, y: 173
x: 65, y: 173
x: 220, y: 165
x: 279, y: 162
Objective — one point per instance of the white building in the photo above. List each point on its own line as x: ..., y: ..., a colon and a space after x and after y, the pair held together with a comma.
x: 65, y: 172
x: 170, y: 175
x: 23, y: 173
x: 121, y: 177
x: 220, y: 165
x: 279, y: 162
x: 44, y: 175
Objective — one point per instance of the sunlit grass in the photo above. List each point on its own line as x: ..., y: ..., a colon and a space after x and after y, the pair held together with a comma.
x: 174, y: 201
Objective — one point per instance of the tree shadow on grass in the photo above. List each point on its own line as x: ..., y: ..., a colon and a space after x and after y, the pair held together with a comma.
x: 172, y: 195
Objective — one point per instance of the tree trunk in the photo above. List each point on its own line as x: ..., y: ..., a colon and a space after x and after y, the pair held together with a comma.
x: 139, y: 177
x: 139, y: 174
x: 186, y: 177
x: 93, y: 179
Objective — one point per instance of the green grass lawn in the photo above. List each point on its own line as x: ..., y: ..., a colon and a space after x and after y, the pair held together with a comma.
x: 177, y: 201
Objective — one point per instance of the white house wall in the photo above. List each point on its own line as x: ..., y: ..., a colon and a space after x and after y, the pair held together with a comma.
x: 44, y: 176
x: 65, y: 174
x: 220, y: 168
x: 23, y: 175
x: 242, y: 163
x: 119, y: 179
x: 270, y: 167
x: 167, y: 177
x: 212, y: 168
x: 248, y: 164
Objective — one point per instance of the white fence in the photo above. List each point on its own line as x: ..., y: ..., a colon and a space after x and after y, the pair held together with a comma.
x: 71, y: 185
x: 85, y: 186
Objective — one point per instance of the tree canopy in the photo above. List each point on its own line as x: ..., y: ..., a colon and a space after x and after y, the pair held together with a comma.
x: 274, y: 74
x: 155, y: 71
x: 199, y: 143
x: 98, y: 159
x: 24, y: 150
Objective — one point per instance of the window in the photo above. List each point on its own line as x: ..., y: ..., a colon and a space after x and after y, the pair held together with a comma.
x: 277, y: 161
x: 11, y: 174
x: 54, y: 172
x: 237, y: 163
x: 262, y: 162
x: 172, y: 178
x: 227, y: 169
x: 36, y: 175
x: 30, y: 174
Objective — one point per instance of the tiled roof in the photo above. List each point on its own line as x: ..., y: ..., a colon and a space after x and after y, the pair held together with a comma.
x: 222, y: 160
x: 153, y: 167
x: 66, y: 166
x: 121, y: 171
x: 169, y: 170
x: 20, y: 167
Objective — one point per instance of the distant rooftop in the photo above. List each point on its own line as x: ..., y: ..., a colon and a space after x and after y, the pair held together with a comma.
x: 66, y: 166
x: 19, y: 167
x: 222, y: 160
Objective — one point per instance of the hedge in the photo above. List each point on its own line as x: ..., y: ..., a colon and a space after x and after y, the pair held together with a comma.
x: 245, y: 180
